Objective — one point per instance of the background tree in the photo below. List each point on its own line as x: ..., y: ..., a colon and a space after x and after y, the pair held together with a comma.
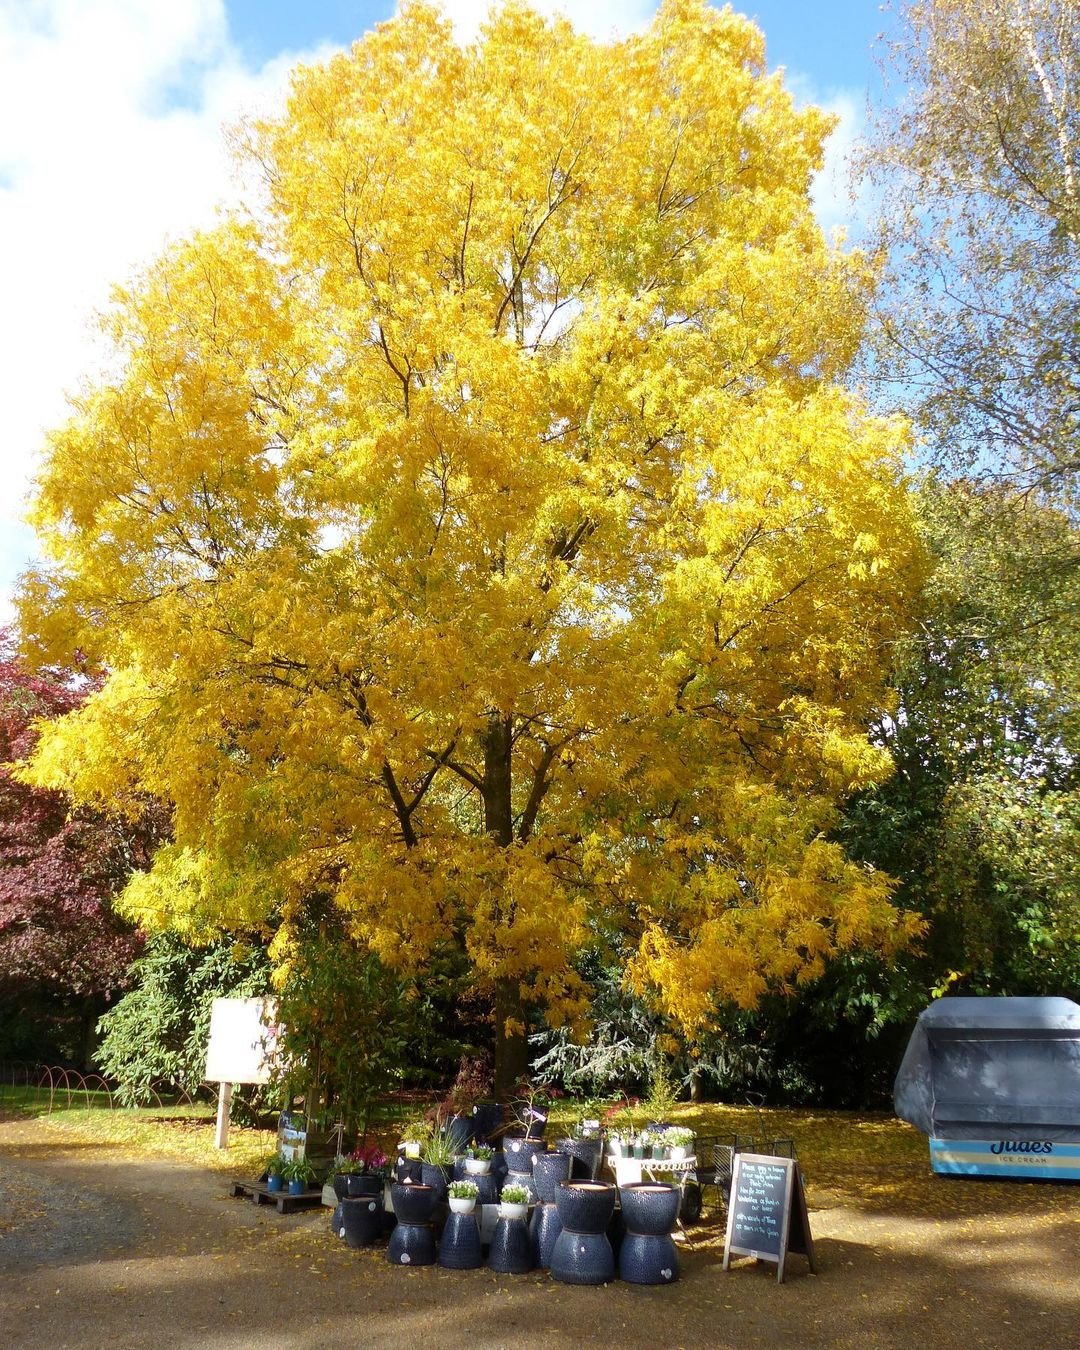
x: 485, y: 538
x: 978, y: 326
x: 156, y: 1036
x: 980, y: 171
x: 63, y: 949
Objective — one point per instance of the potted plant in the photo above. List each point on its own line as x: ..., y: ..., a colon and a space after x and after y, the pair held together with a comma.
x: 414, y: 1136
x: 437, y: 1156
x: 680, y: 1141
x: 273, y: 1169
x: 530, y: 1109
x: 299, y: 1173
x: 478, y: 1160
x: 513, y: 1202
x: 462, y: 1195
x: 362, y: 1172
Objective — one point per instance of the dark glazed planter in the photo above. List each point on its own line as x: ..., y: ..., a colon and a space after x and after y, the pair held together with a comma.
x: 459, y: 1247
x: 649, y: 1207
x: 582, y: 1253
x: 341, y: 1186
x: 544, y: 1229
x: 519, y: 1153
x: 460, y: 1131
x: 648, y: 1259
x: 548, y: 1170
x: 587, y: 1155
x: 436, y: 1176
x: 487, y: 1122
x: 361, y: 1220
x: 411, y: 1244
x: 408, y: 1169
x: 585, y: 1206
x: 360, y: 1185
x: 648, y: 1254
x: 412, y: 1203
x: 336, y: 1221
x: 511, y: 1251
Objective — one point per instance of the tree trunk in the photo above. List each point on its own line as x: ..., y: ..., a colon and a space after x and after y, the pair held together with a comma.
x: 511, y: 1049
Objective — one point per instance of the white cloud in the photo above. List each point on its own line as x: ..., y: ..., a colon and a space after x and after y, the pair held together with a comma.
x: 112, y: 113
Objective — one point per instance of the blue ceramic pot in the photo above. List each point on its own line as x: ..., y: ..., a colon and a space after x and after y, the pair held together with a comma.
x: 646, y: 1258
x: 274, y: 1184
x: 587, y: 1155
x: 544, y: 1229
x: 411, y: 1244
x: 460, y: 1131
x: 459, y: 1246
x: 520, y: 1153
x: 297, y: 1187
x: 362, y: 1220
x: 511, y: 1251
x: 413, y: 1203
x: 359, y: 1185
x: 649, y: 1207
x: 436, y: 1176
x: 336, y: 1221
x: 582, y: 1258
x: 548, y: 1170
x: 408, y: 1169
x: 585, y: 1206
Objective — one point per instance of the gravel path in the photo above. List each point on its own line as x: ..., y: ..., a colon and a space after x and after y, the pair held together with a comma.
x: 99, y: 1248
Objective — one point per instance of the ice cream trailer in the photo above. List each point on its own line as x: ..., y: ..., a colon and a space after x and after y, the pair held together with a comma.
x: 995, y: 1084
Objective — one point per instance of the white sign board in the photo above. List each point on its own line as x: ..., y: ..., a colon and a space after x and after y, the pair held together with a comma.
x: 242, y: 1043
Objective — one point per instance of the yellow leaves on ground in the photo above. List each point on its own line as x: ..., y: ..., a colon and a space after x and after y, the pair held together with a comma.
x: 483, y: 536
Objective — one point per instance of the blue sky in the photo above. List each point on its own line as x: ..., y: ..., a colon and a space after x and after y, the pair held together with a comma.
x: 113, y: 112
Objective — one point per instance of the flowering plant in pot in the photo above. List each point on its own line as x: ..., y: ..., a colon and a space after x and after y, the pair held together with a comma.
x: 513, y: 1202
x: 462, y: 1196
x: 299, y: 1173
x: 680, y: 1140
x: 361, y: 1172
x: 478, y: 1160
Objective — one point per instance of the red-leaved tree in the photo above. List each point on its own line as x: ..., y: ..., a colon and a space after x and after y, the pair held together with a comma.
x: 63, y: 951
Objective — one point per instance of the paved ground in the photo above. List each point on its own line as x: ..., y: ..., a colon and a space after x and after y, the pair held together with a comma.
x: 102, y: 1249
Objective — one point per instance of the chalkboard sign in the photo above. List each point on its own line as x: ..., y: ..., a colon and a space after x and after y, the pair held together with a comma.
x: 767, y: 1215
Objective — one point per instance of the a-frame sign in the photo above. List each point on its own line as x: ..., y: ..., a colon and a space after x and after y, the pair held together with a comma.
x: 767, y: 1215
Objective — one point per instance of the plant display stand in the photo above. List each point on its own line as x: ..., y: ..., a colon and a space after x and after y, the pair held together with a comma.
x: 549, y: 1170
x: 650, y: 1211
x: 511, y: 1251
x: 459, y: 1246
x: 286, y: 1203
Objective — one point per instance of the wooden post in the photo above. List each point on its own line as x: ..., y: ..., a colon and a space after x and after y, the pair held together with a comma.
x: 224, y: 1104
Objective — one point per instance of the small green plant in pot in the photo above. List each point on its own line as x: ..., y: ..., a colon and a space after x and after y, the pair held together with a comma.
x: 680, y: 1141
x: 462, y: 1196
x: 414, y: 1136
x: 478, y: 1160
x: 272, y: 1167
x: 513, y: 1202
x: 299, y: 1173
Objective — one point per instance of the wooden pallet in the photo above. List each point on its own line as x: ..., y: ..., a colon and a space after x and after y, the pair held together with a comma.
x: 261, y: 1194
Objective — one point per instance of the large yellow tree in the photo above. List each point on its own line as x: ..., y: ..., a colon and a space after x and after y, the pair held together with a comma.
x: 481, y: 532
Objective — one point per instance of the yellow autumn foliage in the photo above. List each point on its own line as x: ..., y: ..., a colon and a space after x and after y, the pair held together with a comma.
x: 481, y: 531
